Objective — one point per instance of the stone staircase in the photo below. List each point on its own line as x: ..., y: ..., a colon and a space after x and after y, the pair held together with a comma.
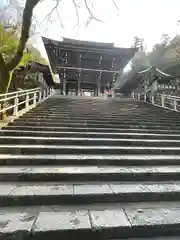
x: 91, y: 168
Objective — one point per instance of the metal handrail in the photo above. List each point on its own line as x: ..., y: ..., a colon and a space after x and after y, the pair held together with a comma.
x: 16, y: 93
x: 11, y: 93
x: 170, y: 96
x: 32, y: 98
x: 166, y: 101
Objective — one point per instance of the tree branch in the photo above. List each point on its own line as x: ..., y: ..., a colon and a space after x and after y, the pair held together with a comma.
x: 92, y: 17
x: 26, y: 24
x: 60, y: 20
x: 48, y: 16
x: 77, y: 13
x: 3, y: 74
x: 2, y: 62
x: 115, y: 4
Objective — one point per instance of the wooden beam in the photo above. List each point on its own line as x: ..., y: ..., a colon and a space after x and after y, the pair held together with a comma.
x: 87, y: 69
x: 114, y: 51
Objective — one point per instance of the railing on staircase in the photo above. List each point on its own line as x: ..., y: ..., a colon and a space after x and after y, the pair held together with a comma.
x: 161, y: 100
x: 16, y: 103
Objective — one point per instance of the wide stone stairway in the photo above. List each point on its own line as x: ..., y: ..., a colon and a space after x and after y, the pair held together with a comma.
x: 91, y: 169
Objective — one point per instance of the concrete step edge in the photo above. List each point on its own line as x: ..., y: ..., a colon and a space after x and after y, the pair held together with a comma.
x: 90, y: 128
x: 52, y: 194
x: 103, y: 222
x: 90, y: 139
x: 6, y: 130
x: 89, y: 173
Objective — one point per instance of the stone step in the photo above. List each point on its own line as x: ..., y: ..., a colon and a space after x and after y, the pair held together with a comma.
x: 99, y: 121
x: 129, y: 118
x: 89, y: 173
x: 89, y: 160
x: 94, y: 107
x: 91, y: 103
x: 91, y: 106
x: 104, y: 221
x: 98, y: 125
x: 96, y: 119
x: 140, y: 113
x: 103, y: 117
x: 151, y: 238
x: 103, y: 104
x: 79, y: 149
x: 87, y: 141
x: 24, y: 193
x: 87, y: 128
x: 6, y: 132
x: 104, y: 108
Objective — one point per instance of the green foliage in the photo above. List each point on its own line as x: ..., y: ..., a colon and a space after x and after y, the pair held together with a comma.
x: 8, y: 47
x: 158, y: 57
x: 8, y: 43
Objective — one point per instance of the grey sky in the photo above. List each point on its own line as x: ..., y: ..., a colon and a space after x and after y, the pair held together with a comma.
x: 142, y: 18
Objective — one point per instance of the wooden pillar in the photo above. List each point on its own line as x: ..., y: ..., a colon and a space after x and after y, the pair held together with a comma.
x: 64, y: 87
x: 79, y: 87
x: 99, y: 85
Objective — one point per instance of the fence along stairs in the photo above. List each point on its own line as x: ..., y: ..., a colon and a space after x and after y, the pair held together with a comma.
x: 76, y: 168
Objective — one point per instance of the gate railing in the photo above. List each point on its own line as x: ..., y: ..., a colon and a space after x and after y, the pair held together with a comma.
x: 161, y: 100
x: 14, y: 103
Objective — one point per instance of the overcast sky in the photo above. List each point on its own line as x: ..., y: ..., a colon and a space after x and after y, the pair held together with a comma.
x: 142, y: 18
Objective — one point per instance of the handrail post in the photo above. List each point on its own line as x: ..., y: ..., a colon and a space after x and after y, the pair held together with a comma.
x: 16, y: 105
x: 34, y: 100
x: 1, y: 107
x: 40, y: 96
x: 145, y: 97
x: 27, y: 101
x: 44, y: 94
x: 152, y: 99
x: 4, y: 112
x: 175, y: 105
x: 162, y: 100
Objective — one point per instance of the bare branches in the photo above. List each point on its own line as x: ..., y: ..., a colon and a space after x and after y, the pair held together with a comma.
x: 49, y: 15
x: 115, y: 4
x: 26, y: 24
x: 28, y: 17
x: 3, y: 73
x: 77, y: 7
x: 91, y: 15
x: 59, y: 17
x: 2, y: 62
x: 77, y: 12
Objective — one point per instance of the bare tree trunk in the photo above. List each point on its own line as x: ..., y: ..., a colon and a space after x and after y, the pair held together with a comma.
x: 6, y: 68
x: 4, y: 78
x: 4, y: 75
x: 26, y: 24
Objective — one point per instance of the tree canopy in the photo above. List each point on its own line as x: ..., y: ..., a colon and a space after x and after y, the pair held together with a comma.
x: 8, y: 47
x: 13, y: 54
x: 163, y: 54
